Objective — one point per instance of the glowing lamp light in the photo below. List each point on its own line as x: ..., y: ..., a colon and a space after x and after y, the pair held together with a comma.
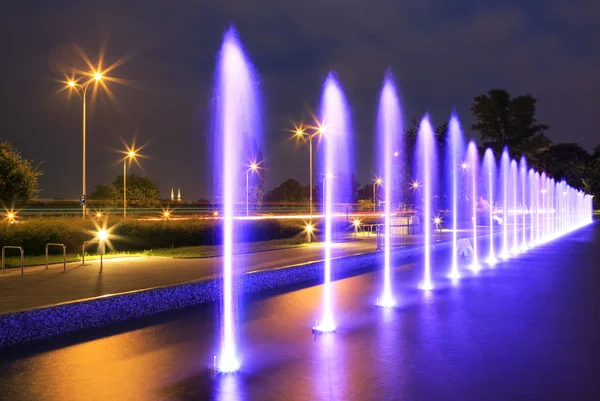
x: 396, y: 154
x: 97, y: 76
x: 102, y: 235
x: 356, y: 222
x: 131, y: 153
x: 10, y: 216
x: 253, y: 166
x: 464, y: 165
x: 378, y: 181
x: 166, y: 214
x: 415, y: 185
x: 329, y: 175
x: 216, y: 213
x: 309, y: 228
x: 98, y: 215
x: 72, y: 84
x: 437, y: 221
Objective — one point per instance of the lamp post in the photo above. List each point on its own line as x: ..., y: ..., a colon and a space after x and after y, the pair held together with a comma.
x: 96, y: 77
x: 252, y: 167
x: 378, y: 181
x: 130, y: 156
x: 299, y: 132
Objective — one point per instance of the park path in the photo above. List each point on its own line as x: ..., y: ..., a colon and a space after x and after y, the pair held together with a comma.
x: 40, y: 287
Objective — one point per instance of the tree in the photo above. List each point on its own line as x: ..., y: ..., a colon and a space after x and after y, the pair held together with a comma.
x: 18, y: 176
x: 568, y: 161
x: 104, y: 192
x: 289, y: 191
x: 505, y: 121
x: 592, y: 181
x: 140, y: 190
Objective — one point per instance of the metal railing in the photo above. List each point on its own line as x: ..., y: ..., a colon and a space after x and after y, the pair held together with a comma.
x: 20, y: 248
x: 64, y: 248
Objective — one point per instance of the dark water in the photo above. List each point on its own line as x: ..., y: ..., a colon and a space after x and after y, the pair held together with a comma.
x: 527, y: 330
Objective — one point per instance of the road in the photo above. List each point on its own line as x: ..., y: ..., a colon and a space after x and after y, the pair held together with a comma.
x: 41, y: 287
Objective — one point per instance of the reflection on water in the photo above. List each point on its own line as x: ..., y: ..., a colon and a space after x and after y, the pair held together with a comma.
x: 524, y: 330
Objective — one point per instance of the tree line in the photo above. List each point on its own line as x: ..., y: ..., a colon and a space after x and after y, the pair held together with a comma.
x: 501, y: 120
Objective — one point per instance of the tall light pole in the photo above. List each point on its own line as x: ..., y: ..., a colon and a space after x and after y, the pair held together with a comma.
x: 377, y: 181
x: 252, y: 167
x: 130, y: 156
x: 96, y: 77
x: 300, y: 133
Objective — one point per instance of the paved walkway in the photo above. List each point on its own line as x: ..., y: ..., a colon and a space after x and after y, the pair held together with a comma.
x: 41, y: 287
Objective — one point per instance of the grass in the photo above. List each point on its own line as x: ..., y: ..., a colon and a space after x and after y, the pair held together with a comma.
x: 201, y: 251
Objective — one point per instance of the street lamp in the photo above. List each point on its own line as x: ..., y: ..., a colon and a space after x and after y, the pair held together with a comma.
x: 252, y: 167
x: 130, y: 156
x: 300, y: 133
x: 378, y: 181
x: 96, y: 77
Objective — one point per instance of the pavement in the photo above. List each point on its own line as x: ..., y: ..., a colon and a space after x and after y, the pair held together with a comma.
x: 40, y: 287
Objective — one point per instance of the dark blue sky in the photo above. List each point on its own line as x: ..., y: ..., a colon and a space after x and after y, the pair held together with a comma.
x: 442, y: 55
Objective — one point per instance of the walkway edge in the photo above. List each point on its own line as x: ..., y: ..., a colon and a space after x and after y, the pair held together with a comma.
x: 36, y: 324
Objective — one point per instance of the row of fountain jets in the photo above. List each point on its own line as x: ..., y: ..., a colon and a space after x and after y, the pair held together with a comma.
x: 534, y: 208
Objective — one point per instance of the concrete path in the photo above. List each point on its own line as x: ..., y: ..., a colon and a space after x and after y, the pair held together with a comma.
x: 41, y: 287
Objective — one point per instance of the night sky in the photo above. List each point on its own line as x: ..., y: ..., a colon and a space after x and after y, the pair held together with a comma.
x: 443, y: 53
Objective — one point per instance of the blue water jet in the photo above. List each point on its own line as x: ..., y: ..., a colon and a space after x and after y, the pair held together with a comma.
x: 489, y: 175
x: 236, y: 129
x: 472, y: 168
x: 426, y: 162
x: 336, y: 165
x: 455, y: 164
x: 390, y: 139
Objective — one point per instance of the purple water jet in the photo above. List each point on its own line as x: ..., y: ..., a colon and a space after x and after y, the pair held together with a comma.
x: 389, y: 135
x: 236, y: 127
x: 336, y: 165
x: 454, y: 157
x: 489, y: 174
x: 426, y: 162
x: 472, y: 167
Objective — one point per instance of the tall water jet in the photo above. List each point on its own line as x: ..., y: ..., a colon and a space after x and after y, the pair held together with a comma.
x: 532, y: 212
x: 236, y: 127
x: 454, y: 160
x: 489, y: 166
x: 544, y: 210
x: 426, y: 169
x: 523, y: 171
x: 514, y: 189
x: 472, y: 167
x: 336, y: 165
x: 389, y: 135
x: 504, y: 179
x: 536, y: 184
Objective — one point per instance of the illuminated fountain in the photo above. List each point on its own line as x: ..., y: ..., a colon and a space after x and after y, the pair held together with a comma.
x: 504, y: 179
x: 389, y: 135
x: 236, y: 125
x: 489, y: 171
x: 454, y: 157
x: 425, y: 160
x: 335, y: 122
x: 544, y: 208
x: 532, y: 211
x: 472, y: 165
x: 514, y: 187
x: 536, y: 192
x: 523, y: 177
